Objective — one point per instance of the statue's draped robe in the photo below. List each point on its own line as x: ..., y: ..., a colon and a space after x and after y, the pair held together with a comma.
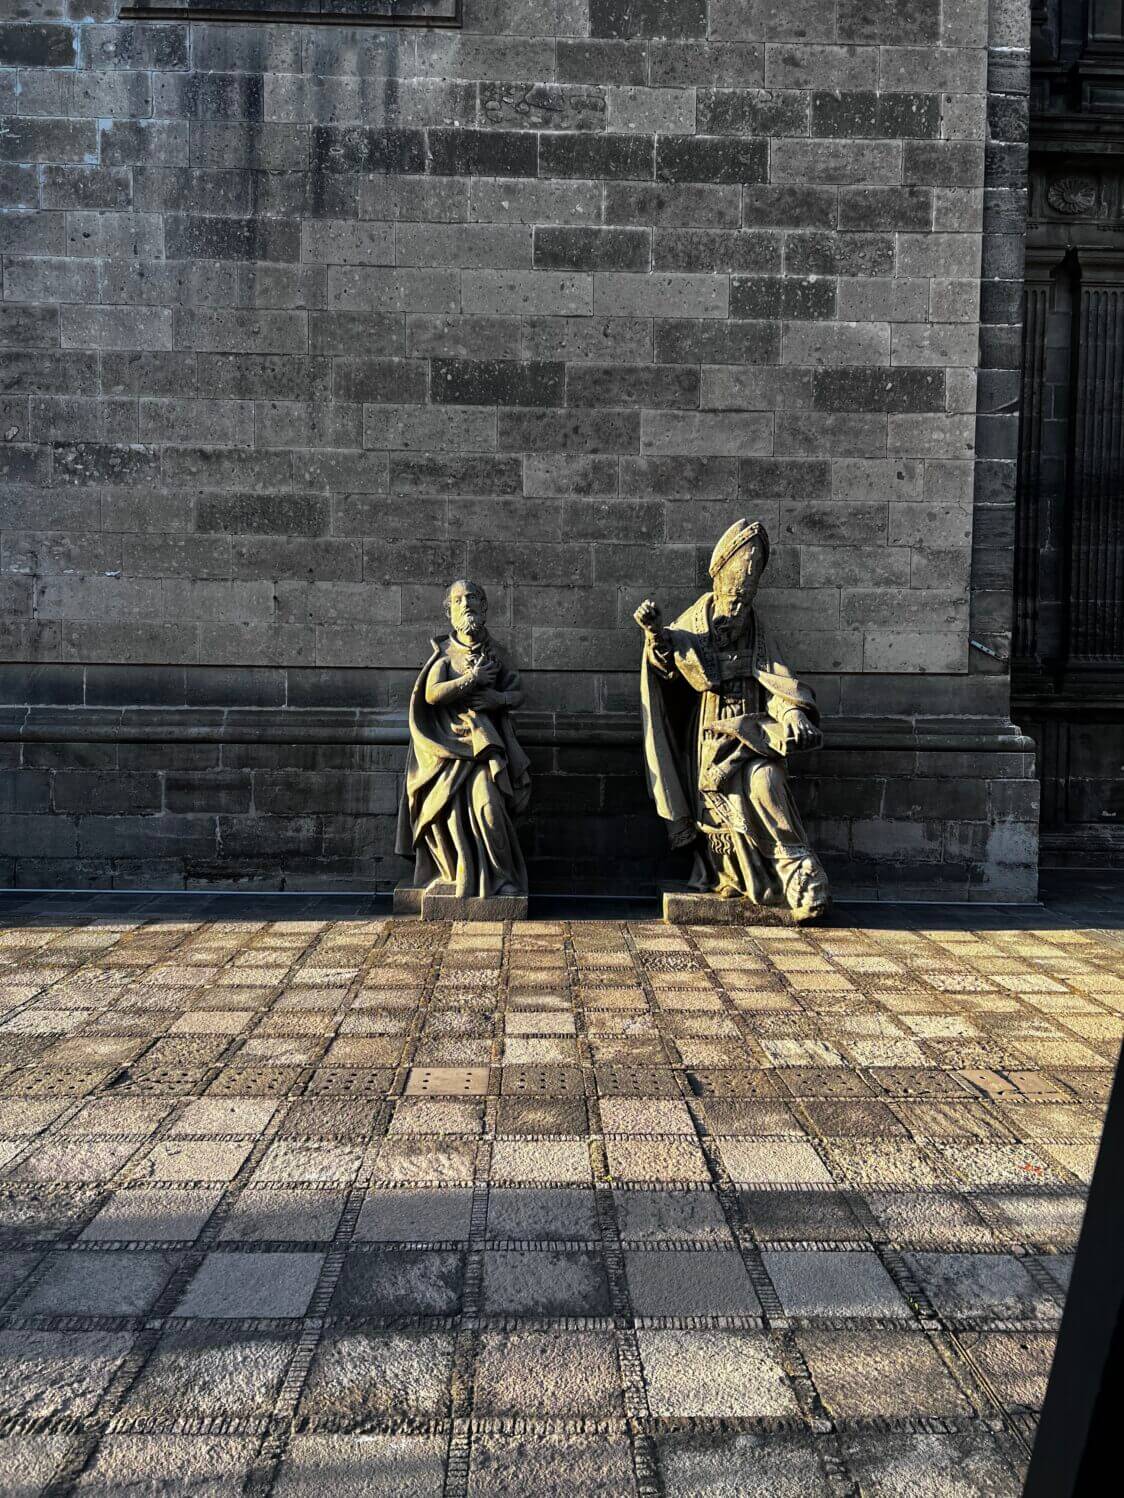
x: 466, y: 779
x: 733, y: 787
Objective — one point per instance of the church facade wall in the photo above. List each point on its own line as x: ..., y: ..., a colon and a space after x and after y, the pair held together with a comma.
x: 301, y: 321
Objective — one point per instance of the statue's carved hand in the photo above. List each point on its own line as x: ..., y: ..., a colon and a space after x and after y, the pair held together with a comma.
x: 487, y: 699
x: 484, y: 672
x: 800, y: 732
x: 648, y: 616
x: 720, y: 730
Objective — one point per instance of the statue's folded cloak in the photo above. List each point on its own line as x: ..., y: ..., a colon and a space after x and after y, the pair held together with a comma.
x: 446, y: 743
x: 671, y: 708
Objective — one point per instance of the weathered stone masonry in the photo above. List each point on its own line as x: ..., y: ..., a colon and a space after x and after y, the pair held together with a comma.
x: 299, y: 322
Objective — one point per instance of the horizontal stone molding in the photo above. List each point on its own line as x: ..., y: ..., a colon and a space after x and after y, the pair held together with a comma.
x: 374, y: 726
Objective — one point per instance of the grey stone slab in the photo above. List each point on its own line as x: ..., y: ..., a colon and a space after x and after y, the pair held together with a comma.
x: 552, y: 1374
x: 58, y: 1374
x: 211, y: 1464
x: 708, y: 1283
x: 962, y: 1465
x: 400, y: 1283
x: 251, y: 1285
x: 742, y: 1465
x: 545, y: 1213
x: 407, y: 1216
x: 203, y: 1369
x: 359, y: 1375
x: 833, y: 1283
x: 356, y: 1465
x: 506, y: 1464
x: 713, y: 1373
x: 544, y: 1283
x: 980, y: 1285
x: 100, y: 1284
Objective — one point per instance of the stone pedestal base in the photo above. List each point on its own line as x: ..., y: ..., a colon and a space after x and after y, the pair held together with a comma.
x: 683, y: 907
x: 408, y: 900
x: 439, y: 903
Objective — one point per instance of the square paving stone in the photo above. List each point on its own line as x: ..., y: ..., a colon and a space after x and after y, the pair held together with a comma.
x: 410, y: 1215
x: 320, y: 1161
x: 882, y: 1162
x: 37, y: 1212
x: 361, y: 1374
x: 968, y: 1464
x: 29, y: 1462
x: 801, y: 1216
x: 636, y: 1081
x: 544, y: 1282
x: 155, y: 1216
x: 117, y: 1116
x: 206, y: 1370
x: 283, y: 1216
x: 541, y: 1160
x: 216, y: 1466
x: 655, y: 1159
x: 1034, y: 1218
x: 57, y: 1375
x: 99, y: 1284
x: 715, y: 1373
x: 727, y: 1465
x: 625, y: 1115
x: 645, y: 1216
x: 769, y: 1161
x: 832, y: 1117
x: 888, y: 1373
x: 357, y: 1466
x: 20, y: 1117
x: 211, y: 1022
x: 80, y: 1161
x: 687, y: 1283
x: 929, y: 1218
x: 237, y: 1285
x: 511, y: 1466
x: 979, y: 1285
x: 425, y: 1115
x: 1015, y: 1364
x: 541, y: 1212
x: 523, y: 1115
x: 826, y: 1282
x: 409, y: 1282
x: 542, y: 1081
x: 752, y: 1118
x: 327, y: 1118
x: 191, y: 1160
x: 423, y: 1160
x: 546, y: 1374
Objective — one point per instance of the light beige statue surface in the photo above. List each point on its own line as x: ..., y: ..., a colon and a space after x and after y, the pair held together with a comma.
x: 467, y: 777
x: 721, y: 714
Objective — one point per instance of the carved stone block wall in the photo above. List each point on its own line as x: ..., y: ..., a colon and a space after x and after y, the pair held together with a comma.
x: 300, y: 321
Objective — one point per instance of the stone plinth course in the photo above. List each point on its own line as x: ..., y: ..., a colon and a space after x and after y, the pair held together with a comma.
x: 295, y: 1200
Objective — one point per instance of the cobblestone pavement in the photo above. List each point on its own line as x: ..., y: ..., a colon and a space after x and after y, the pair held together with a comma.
x: 689, y: 1211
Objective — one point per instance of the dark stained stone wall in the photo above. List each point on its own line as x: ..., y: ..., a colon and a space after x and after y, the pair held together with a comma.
x: 301, y: 321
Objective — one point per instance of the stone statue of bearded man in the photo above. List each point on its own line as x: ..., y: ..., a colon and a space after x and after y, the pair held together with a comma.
x: 721, y: 713
x: 467, y: 777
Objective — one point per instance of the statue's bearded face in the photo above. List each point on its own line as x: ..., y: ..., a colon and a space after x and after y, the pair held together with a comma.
x: 735, y: 588
x: 468, y: 610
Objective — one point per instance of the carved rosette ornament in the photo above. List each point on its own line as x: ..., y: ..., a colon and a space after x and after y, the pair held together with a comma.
x: 1072, y: 195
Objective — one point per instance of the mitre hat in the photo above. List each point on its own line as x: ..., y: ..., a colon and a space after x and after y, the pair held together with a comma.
x: 741, y: 534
